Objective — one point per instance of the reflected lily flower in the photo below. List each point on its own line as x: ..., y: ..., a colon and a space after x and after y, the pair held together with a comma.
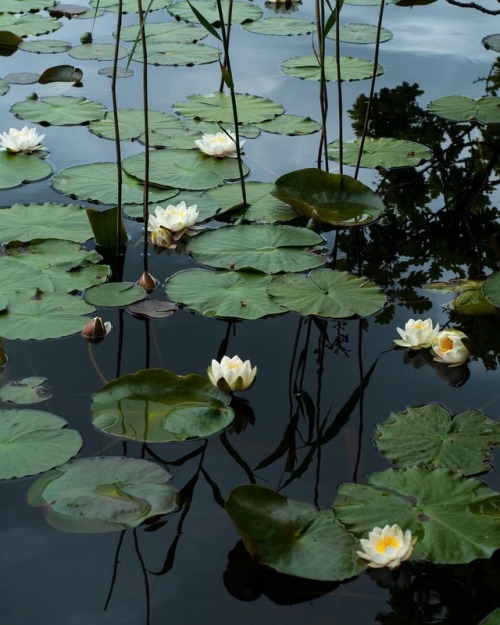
x: 231, y: 374
x: 169, y: 224
x: 386, y: 546
x: 26, y: 140
x: 219, y: 145
x: 448, y: 348
x: 96, y: 329
x: 417, y: 334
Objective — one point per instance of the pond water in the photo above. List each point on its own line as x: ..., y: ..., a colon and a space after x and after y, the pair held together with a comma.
x: 323, y: 385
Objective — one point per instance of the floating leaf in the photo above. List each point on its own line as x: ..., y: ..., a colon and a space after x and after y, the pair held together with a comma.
x: 292, y: 537
x: 492, y: 42
x: 103, y: 494
x: 28, y: 24
x: 168, y: 32
x: 429, y: 436
x: 97, y: 52
x: 61, y: 73
x: 43, y: 316
x: 454, y: 518
x: 115, y: 294
x: 121, y: 72
x: 154, y: 405
x: 97, y: 182
x: 23, y: 6
x: 15, y: 169
x: 280, y: 26
x: 128, y: 6
x: 491, y: 289
x: 492, y: 619
x: 67, y: 10
x: 240, y: 11
x: 335, y: 199
x: 216, y: 107
x: 33, y: 441
x: 25, y: 391
x: 61, y: 110
x: 361, y: 33
x: 307, y: 67
x: 47, y: 46
x: 25, y: 222
x: 470, y: 298
x: 184, y: 169
x: 291, y: 125
x: 161, y: 53
x: 368, y: 2
x: 327, y: 293
x: 4, y: 87
x: 267, y: 248
x: 22, y: 78
x: 15, y: 276
x: 229, y: 294
x: 382, y: 152
x: 131, y: 124
x: 152, y: 309
x: 460, y: 108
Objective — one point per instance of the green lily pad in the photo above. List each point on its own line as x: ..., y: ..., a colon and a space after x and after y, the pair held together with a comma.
x: 240, y: 11
x: 227, y: 294
x: 22, y: 78
x: 17, y: 277
x: 281, y: 26
x: 459, y: 108
x: 131, y: 124
x: 161, y: 53
x: 97, y: 182
x: 216, y: 107
x: 28, y: 24
x: 61, y: 110
x: 114, y: 294
x: 128, y: 6
x: 454, y: 518
x: 292, y: 537
x: 24, y: 223
x: 492, y: 42
x: 41, y: 316
x: 361, y: 33
x: 25, y: 391
x: 327, y: 293
x: 103, y: 494
x: 33, y: 441
x: 4, y: 87
x: 154, y: 405
x: 291, y: 125
x: 184, y: 169
x: 382, y: 152
x: 16, y: 169
x: 264, y: 247
x: 335, y: 199
x: 492, y: 619
x: 491, y: 289
x: 25, y: 6
x: 365, y: 3
x: 307, y: 67
x: 429, y: 436
x: 168, y: 32
x: 61, y: 73
x: 97, y: 52
x: 47, y: 46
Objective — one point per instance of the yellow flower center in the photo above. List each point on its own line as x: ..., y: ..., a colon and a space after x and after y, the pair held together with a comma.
x: 446, y: 344
x: 384, y: 543
x: 234, y: 365
x: 419, y: 325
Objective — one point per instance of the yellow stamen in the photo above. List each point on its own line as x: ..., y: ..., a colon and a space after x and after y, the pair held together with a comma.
x: 384, y: 543
x: 446, y: 344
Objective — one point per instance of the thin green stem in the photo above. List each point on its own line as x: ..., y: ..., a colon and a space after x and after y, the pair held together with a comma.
x: 119, y: 175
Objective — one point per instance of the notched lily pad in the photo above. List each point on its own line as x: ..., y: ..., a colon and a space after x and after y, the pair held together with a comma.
x: 459, y: 108
x: 382, y: 152
x: 115, y: 294
x: 152, y: 309
x: 16, y: 169
x: 61, y: 110
x: 25, y: 391
x: 307, y: 67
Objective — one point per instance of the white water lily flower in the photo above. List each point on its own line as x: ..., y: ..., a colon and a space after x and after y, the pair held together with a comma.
x: 26, y: 140
x: 174, y: 218
x: 386, y: 546
x: 448, y: 348
x: 232, y: 374
x: 218, y: 145
x: 417, y: 334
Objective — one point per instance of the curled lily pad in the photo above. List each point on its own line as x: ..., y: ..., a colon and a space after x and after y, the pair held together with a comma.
x: 33, y: 441
x: 25, y: 391
x: 228, y: 294
x: 116, y: 294
x: 461, y: 108
x: 61, y: 73
x: 15, y: 169
x: 103, y: 494
x: 154, y: 405
x: 307, y: 67
x: 335, y: 199
x: 381, y: 152
x: 61, y: 110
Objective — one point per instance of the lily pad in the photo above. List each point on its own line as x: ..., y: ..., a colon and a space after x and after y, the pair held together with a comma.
x: 454, y: 518
x: 291, y: 125
x: 429, y: 436
x: 327, y: 293
x: 227, y: 294
x: 307, y: 67
x: 154, y: 405
x: 61, y: 73
x: 33, y: 441
x: 361, y: 33
x: 292, y: 537
x: 240, y: 11
x: 131, y: 124
x: 152, y: 309
x: 97, y: 182
x: 280, y: 26
x: 184, y: 169
x: 492, y: 619
x: 28, y: 24
x: 161, y: 53
x: 15, y: 277
x: 168, y: 32
x: 491, y: 289
x: 67, y: 10
x: 24, y: 223
x: 264, y: 247
x: 47, y: 46
x: 335, y: 199
x: 43, y: 316
x: 492, y: 42
x: 216, y: 107
x: 103, y: 494
x: 128, y: 6
x: 22, y: 78
x: 97, y: 52
x: 459, y: 108
x: 115, y: 294
x: 25, y: 391
x: 61, y: 110
x: 4, y: 87
x: 16, y: 169
x: 382, y: 152
x: 25, y: 6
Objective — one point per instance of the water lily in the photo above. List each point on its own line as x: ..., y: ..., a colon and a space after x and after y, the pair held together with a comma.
x: 231, y: 374
x: 96, y: 329
x: 386, y: 546
x: 417, y: 334
x: 169, y: 224
x: 26, y: 140
x: 448, y: 348
x: 219, y: 145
